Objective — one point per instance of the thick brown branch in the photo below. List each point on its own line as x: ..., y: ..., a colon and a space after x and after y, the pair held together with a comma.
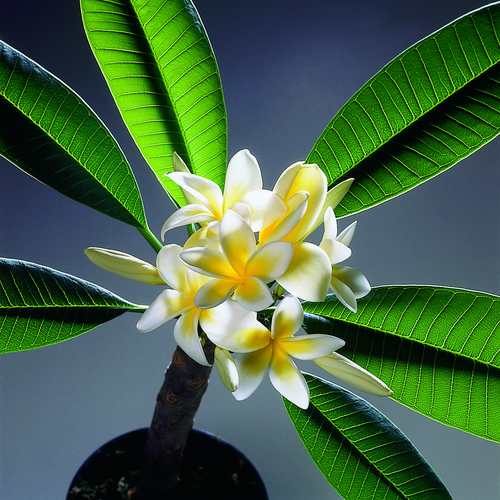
x: 176, y: 405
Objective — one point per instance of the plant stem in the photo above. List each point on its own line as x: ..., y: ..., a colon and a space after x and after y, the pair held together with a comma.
x: 151, y: 239
x: 178, y: 400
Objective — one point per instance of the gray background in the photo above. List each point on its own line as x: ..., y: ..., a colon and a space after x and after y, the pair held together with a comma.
x: 287, y: 67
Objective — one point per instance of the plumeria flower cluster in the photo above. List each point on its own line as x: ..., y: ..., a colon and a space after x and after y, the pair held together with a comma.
x: 249, y: 254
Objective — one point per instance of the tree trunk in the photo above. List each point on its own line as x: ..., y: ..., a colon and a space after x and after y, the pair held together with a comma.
x: 176, y: 405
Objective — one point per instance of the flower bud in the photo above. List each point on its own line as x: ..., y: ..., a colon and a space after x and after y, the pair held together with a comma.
x: 226, y: 367
x: 351, y: 373
x: 124, y: 265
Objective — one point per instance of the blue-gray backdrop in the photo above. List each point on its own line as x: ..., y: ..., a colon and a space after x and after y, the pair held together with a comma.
x: 287, y: 66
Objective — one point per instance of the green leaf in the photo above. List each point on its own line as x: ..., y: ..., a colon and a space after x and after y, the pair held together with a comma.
x: 159, y: 65
x: 40, y: 306
x: 49, y: 132
x: 438, y: 349
x: 361, y: 453
x: 427, y: 109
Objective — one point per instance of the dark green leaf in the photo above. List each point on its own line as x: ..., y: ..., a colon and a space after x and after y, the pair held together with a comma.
x: 50, y: 133
x: 427, y: 109
x: 40, y: 306
x: 159, y: 65
x: 361, y: 452
x: 438, y: 349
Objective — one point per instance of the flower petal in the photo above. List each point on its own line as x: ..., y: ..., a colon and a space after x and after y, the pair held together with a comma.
x: 125, y: 265
x: 242, y: 176
x: 225, y: 318
x: 270, y: 261
x: 168, y: 305
x: 336, y: 251
x: 207, y: 261
x: 344, y: 294
x: 205, y: 191
x: 171, y: 268
x: 353, y: 374
x: 333, y: 198
x: 202, y: 238
x: 308, y: 275
x: 287, y: 379
x: 180, y: 166
x: 251, y: 338
x: 265, y: 208
x: 287, y: 318
x: 226, y: 368
x: 353, y: 278
x: 253, y: 294
x: 214, y: 292
x: 237, y: 240
x: 186, y: 336
x: 309, y: 347
x: 346, y: 235
x: 308, y: 178
x: 282, y: 229
x: 252, y: 368
x: 190, y: 214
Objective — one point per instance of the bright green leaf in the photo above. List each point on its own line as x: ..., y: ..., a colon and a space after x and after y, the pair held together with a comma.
x: 427, y: 109
x: 40, y: 306
x: 438, y: 349
x: 361, y: 452
x: 49, y: 132
x: 159, y: 65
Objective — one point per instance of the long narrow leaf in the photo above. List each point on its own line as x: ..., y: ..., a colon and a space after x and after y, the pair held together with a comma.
x: 40, y: 306
x: 360, y: 451
x: 159, y: 65
x: 438, y: 349
x: 427, y: 109
x: 49, y: 132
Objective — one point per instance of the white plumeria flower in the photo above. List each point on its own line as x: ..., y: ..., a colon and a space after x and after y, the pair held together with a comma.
x: 303, y: 189
x: 124, y: 264
x: 353, y: 374
x: 347, y: 283
x: 237, y: 266
x: 206, y: 202
x: 263, y: 350
x: 179, y: 301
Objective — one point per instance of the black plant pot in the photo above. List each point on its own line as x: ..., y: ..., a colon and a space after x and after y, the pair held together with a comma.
x: 211, y: 469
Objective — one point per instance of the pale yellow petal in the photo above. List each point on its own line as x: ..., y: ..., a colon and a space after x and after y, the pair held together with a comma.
x: 180, y: 166
x: 201, y: 238
x: 252, y: 337
x: 333, y: 198
x: 351, y: 373
x: 270, y: 261
x: 287, y: 318
x: 125, y: 265
x: 287, y: 379
x: 312, y: 346
x: 214, y: 292
x: 242, y: 176
x: 207, y: 261
x: 336, y: 251
x: 344, y: 293
x: 308, y: 275
x: 237, y: 241
x: 346, y: 235
x: 165, y: 307
x: 252, y: 368
x: 308, y: 178
x: 253, y: 294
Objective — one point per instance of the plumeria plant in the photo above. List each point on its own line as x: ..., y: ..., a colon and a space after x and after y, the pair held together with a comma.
x: 248, y: 290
